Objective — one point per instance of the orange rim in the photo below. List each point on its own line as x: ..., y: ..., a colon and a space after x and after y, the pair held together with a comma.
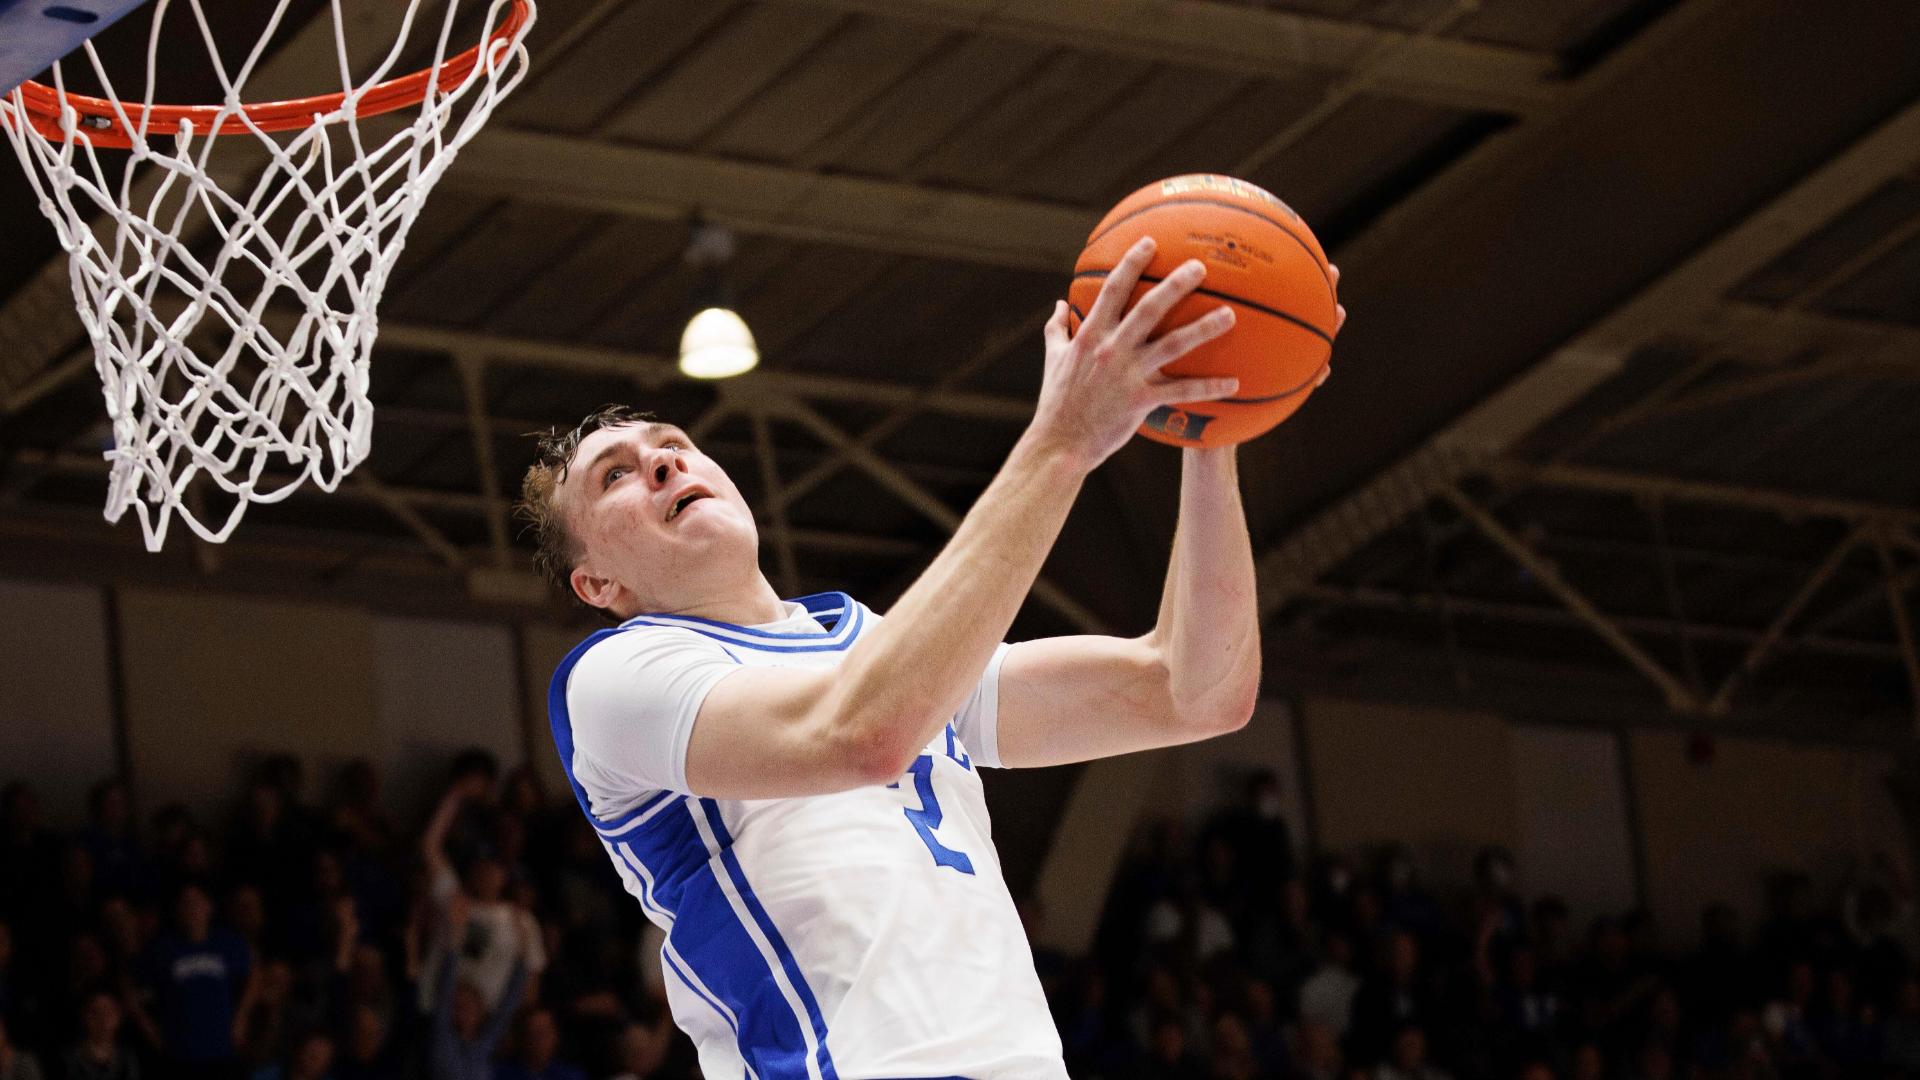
x: 100, y: 118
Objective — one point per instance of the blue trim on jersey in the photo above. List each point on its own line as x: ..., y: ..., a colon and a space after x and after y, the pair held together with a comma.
x: 687, y: 981
x: 831, y: 610
x: 818, y: 605
x: 760, y: 917
x: 717, y: 949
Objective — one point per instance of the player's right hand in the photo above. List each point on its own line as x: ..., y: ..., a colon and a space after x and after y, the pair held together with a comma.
x: 1101, y: 381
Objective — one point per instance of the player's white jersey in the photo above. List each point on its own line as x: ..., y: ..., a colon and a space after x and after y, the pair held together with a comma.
x: 863, y: 934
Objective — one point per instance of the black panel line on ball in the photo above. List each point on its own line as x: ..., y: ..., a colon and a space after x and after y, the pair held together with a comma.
x: 1276, y: 313
x: 1275, y: 222
x: 1310, y: 380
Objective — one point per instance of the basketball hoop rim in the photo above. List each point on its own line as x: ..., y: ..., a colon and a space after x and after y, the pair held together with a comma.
x: 100, y: 119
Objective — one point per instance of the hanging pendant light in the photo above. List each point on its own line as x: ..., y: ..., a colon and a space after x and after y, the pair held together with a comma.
x: 716, y: 343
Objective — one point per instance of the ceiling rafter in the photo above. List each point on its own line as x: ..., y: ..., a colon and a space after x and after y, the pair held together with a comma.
x: 650, y: 370
x: 1258, y: 41
x: 772, y: 200
x: 1490, y: 428
x: 1452, y: 604
x: 418, y: 499
x: 1787, y: 504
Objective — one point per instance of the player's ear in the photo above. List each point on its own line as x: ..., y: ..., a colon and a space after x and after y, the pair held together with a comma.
x: 592, y: 590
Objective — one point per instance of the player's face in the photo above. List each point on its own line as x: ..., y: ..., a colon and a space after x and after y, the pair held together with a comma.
x: 652, y: 513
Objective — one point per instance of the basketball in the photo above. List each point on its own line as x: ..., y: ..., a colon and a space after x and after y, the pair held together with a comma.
x: 1262, y: 261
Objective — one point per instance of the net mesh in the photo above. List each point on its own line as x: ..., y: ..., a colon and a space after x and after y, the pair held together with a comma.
x: 228, y: 275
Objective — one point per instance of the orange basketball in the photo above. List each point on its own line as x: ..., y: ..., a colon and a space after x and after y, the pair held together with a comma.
x: 1262, y: 261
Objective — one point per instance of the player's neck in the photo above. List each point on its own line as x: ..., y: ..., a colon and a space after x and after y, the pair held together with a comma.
x: 750, y: 603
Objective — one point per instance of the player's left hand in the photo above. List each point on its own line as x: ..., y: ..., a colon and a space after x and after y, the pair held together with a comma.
x: 1339, y: 319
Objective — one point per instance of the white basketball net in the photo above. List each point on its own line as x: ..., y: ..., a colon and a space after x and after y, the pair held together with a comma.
x: 230, y: 296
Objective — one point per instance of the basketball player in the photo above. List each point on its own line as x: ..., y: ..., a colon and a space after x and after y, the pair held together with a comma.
x: 791, y: 789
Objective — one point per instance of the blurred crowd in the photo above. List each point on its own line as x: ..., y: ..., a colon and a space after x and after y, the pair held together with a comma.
x: 1226, y: 956
x: 297, y: 941
x: 323, y: 940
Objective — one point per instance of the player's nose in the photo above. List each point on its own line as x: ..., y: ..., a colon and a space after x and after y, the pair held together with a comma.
x: 663, y: 465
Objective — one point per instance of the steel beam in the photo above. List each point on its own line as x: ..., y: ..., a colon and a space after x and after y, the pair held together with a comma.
x: 773, y: 200
x: 1679, y: 697
x: 771, y: 490
x: 1454, y: 605
x: 1722, y: 701
x: 1756, y: 334
x: 1792, y: 505
x: 649, y: 370
x: 473, y: 385
x: 1676, y: 300
x: 1902, y: 622
x: 1257, y: 41
x: 461, y: 502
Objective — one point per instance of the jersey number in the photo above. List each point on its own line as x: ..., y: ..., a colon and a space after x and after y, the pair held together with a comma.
x: 926, y: 817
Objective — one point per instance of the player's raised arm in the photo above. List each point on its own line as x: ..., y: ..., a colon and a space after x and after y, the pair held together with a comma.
x: 763, y: 733
x: 1195, y: 675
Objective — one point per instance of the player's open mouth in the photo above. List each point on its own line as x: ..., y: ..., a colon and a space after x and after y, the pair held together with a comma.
x: 686, y: 499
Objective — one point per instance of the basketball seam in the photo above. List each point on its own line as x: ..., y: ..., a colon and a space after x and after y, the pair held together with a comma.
x: 1275, y: 312
x: 1275, y: 222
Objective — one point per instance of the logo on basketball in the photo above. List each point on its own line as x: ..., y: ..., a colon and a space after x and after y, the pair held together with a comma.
x: 1177, y: 423
x: 1181, y: 185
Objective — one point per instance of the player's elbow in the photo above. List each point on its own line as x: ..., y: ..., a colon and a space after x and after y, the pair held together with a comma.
x: 876, y: 757
x: 1233, y: 705
x: 1232, y: 714
x: 872, y: 749
x: 1204, y: 709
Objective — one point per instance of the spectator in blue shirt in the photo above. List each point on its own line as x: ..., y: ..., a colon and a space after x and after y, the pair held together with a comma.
x: 197, y: 976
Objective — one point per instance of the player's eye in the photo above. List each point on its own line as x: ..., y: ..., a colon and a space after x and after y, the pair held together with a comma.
x: 612, y: 474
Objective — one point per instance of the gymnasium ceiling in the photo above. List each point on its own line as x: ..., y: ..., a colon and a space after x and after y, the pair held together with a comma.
x: 1623, y: 424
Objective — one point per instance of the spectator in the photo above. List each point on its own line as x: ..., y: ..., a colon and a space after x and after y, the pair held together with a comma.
x: 357, y: 816
x: 1266, y: 1033
x: 1327, y: 995
x: 495, y: 937
x: 262, y: 1030
x: 1408, y: 1058
x: 1318, y: 1056
x: 1588, y: 1063
x: 367, y: 1053
x: 1900, y: 1037
x: 100, y: 1054
x: 1721, y: 975
x: 466, y: 1030
x: 311, y: 1058
x: 643, y: 1049
x: 28, y: 852
x: 198, y: 976
x: 1168, y: 1057
x: 1391, y: 1002
x: 539, y: 1052
x: 1655, y: 1063
x: 109, y: 838
x: 18, y: 1003
x: 1231, y: 1049
x: 15, y: 1063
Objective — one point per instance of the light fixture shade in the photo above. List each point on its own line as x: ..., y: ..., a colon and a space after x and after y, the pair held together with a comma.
x: 717, y: 344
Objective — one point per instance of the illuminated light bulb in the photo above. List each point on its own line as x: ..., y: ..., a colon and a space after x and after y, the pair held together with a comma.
x: 717, y: 345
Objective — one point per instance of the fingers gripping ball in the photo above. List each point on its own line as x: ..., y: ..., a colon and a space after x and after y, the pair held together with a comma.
x: 1262, y: 261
